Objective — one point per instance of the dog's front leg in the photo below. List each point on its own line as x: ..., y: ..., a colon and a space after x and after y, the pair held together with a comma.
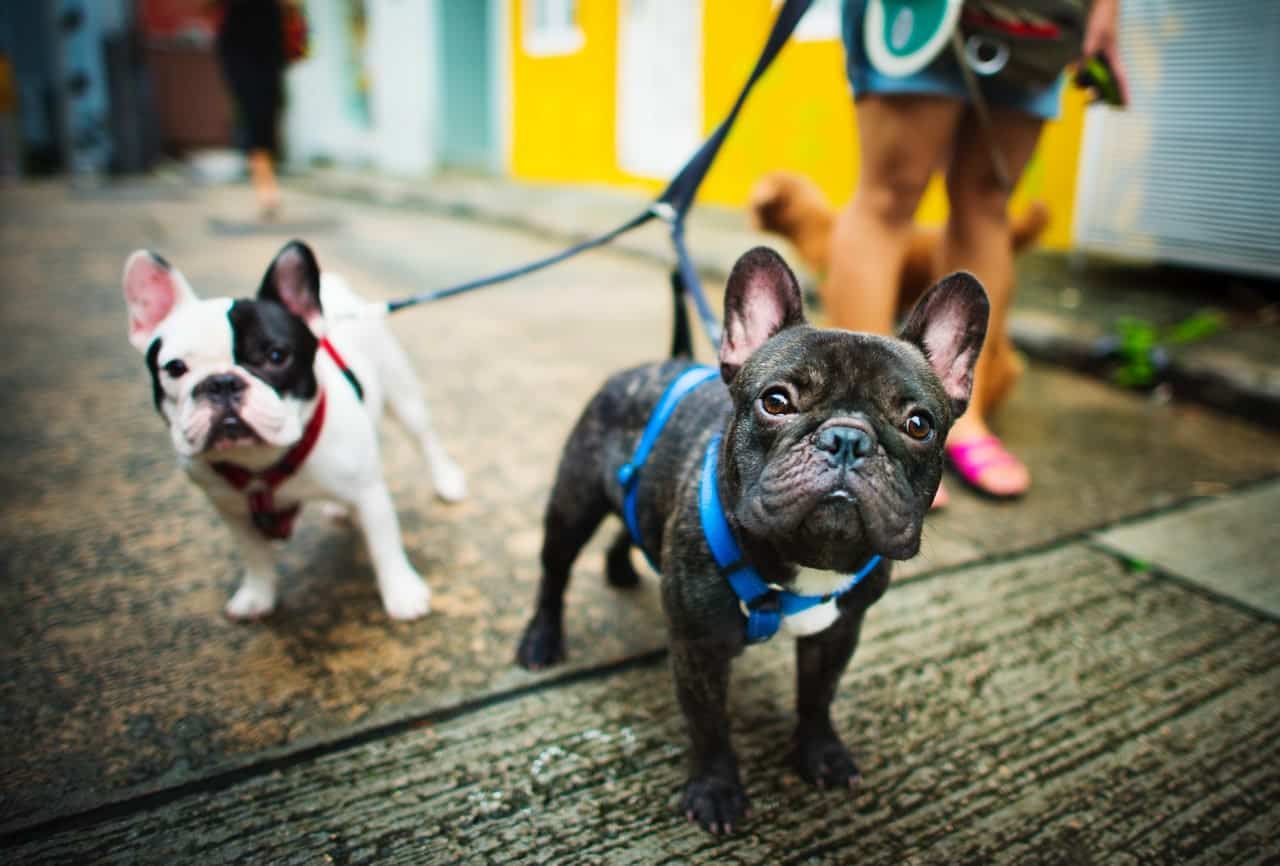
x: 713, y: 795
x: 819, y: 755
x: 256, y: 596
x: 405, y: 595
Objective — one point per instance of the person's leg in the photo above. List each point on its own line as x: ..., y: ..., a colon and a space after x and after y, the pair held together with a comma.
x: 977, y: 239
x: 902, y: 139
x: 263, y: 175
x: 265, y: 124
x: 256, y: 87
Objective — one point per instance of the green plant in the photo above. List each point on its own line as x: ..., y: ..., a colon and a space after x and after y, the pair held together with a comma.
x: 1141, y: 346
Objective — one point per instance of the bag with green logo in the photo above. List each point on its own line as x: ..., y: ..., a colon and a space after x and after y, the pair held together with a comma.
x: 1026, y: 42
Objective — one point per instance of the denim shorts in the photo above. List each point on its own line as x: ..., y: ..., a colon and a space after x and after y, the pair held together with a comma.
x: 942, y: 77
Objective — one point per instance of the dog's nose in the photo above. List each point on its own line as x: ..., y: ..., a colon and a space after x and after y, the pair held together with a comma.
x: 846, y: 445
x: 222, y: 388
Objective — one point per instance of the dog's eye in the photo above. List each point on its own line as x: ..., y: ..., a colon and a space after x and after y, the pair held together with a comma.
x: 277, y: 356
x: 776, y: 401
x: 176, y: 369
x: 919, y: 427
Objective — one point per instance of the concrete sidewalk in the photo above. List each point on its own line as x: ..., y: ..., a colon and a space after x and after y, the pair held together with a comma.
x: 1086, y: 676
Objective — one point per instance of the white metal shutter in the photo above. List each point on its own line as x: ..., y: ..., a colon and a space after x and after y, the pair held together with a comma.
x: 1190, y: 172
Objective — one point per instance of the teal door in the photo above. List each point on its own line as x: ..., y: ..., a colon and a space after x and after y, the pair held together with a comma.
x: 467, y: 137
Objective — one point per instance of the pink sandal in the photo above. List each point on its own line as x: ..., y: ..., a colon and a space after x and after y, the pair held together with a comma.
x: 972, y: 458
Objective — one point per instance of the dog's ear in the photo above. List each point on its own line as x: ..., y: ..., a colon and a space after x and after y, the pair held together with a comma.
x: 761, y: 299
x: 153, y: 289
x: 949, y: 323
x: 293, y: 281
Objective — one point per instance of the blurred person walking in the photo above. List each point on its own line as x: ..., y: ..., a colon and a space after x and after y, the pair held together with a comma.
x: 908, y: 126
x: 252, y: 49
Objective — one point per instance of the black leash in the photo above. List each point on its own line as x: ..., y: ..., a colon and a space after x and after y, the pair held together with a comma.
x: 520, y: 271
x: 671, y: 207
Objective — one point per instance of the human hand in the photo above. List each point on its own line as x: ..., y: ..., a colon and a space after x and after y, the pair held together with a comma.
x: 1102, y: 38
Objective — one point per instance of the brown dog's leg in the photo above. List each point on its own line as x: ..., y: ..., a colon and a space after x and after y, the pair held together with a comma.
x: 1007, y: 368
x: 794, y: 207
x: 1029, y: 225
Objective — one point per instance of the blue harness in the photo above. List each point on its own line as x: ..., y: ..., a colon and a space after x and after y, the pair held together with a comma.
x: 629, y: 473
x: 763, y: 604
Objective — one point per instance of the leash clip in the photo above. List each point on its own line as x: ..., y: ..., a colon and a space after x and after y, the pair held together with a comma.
x: 664, y: 211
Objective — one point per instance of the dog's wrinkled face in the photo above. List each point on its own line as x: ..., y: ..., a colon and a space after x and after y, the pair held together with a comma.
x: 226, y: 375
x: 835, y: 447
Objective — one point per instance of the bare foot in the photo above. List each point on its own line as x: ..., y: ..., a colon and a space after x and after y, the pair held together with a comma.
x: 941, y: 498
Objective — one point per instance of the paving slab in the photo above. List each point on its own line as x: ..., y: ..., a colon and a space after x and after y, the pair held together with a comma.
x: 1055, y: 709
x: 1227, y: 545
x: 122, y: 677
x: 1096, y: 454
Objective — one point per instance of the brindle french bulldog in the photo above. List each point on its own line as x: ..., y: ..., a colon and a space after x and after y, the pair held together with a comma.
x: 829, y: 456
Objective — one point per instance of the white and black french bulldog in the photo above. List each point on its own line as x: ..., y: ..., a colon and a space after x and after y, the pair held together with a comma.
x: 802, y: 473
x: 274, y: 401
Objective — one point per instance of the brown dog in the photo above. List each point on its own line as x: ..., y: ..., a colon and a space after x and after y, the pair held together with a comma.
x: 792, y: 205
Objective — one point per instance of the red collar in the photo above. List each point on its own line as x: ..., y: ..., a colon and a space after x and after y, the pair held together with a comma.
x: 261, y: 484
x: 342, y: 366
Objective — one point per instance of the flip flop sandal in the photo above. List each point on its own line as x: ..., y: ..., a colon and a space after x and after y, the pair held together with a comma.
x: 970, y: 459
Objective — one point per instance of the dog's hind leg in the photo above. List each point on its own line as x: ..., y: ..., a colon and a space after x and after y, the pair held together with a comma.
x: 405, y: 395
x: 618, y: 570
x: 576, y: 507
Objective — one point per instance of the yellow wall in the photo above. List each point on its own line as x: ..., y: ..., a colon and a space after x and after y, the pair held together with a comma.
x: 564, y: 118
x: 799, y: 117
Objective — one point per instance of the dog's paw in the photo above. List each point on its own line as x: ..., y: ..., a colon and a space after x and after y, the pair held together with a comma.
x: 542, y: 644
x: 717, y: 804
x: 825, y: 762
x: 449, y: 480
x: 406, y: 596
x: 251, y: 601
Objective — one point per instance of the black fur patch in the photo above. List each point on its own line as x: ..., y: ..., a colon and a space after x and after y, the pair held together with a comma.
x: 293, y: 280
x: 259, y: 328
x: 153, y: 365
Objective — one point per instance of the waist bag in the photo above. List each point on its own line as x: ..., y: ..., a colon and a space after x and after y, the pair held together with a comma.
x: 1023, y: 42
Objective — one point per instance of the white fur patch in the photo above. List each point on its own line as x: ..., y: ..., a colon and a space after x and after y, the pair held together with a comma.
x: 811, y: 581
x: 194, y: 420
x: 811, y: 621
x: 199, y: 334
x: 271, y: 417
